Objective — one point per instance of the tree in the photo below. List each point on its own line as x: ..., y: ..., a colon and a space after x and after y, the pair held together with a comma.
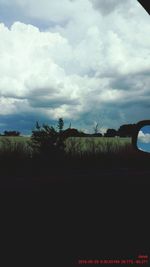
x: 11, y: 133
x: 127, y: 130
x: 96, y: 129
x: 44, y: 138
x: 37, y: 125
x: 71, y: 132
x: 47, y: 141
x: 110, y: 133
x: 60, y: 124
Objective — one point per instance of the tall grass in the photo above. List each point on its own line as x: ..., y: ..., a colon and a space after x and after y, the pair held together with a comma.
x: 15, y: 147
x: 18, y: 155
x: 96, y: 145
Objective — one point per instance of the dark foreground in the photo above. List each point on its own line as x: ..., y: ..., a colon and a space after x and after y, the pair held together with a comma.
x: 57, y: 211
x: 66, y: 216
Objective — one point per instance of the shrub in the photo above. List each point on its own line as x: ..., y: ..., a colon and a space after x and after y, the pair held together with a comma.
x: 47, y: 141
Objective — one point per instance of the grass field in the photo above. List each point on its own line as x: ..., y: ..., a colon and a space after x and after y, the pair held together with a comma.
x: 16, y: 145
x: 13, y: 139
x: 74, y: 145
x: 18, y: 158
x: 94, y: 145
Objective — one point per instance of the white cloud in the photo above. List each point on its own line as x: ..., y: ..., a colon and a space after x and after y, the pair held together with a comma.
x: 85, y: 60
x: 144, y: 137
x: 12, y: 106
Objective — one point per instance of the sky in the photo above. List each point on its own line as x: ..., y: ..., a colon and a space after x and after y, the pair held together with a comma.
x: 87, y: 61
x: 143, y: 141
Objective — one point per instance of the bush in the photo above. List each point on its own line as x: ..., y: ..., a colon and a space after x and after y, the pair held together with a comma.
x: 47, y: 141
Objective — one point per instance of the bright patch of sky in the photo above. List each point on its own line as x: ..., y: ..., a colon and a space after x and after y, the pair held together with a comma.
x: 144, y: 139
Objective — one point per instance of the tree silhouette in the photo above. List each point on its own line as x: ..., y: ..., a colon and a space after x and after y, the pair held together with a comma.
x: 111, y: 133
x: 47, y: 141
x: 60, y: 124
x: 96, y: 129
x: 11, y: 133
x: 44, y: 138
x: 126, y: 130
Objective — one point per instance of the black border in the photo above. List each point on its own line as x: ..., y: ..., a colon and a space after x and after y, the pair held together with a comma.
x: 139, y: 125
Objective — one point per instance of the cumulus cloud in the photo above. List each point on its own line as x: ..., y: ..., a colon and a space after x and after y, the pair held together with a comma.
x: 144, y: 137
x: 91, y: 59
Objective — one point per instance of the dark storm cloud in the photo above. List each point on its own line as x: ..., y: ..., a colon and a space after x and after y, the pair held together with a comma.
x: 108, y: 6
x: 128, y: 82
x: 49, y: 103
x: 24, y: 123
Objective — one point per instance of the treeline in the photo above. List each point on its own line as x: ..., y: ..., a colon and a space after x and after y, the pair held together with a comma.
x: 11, y: 133
x: 126, y: 130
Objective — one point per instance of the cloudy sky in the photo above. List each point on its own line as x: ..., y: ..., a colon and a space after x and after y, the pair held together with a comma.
x: 143, y: 142
x: 144, y: 137
x: 87, y: 61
